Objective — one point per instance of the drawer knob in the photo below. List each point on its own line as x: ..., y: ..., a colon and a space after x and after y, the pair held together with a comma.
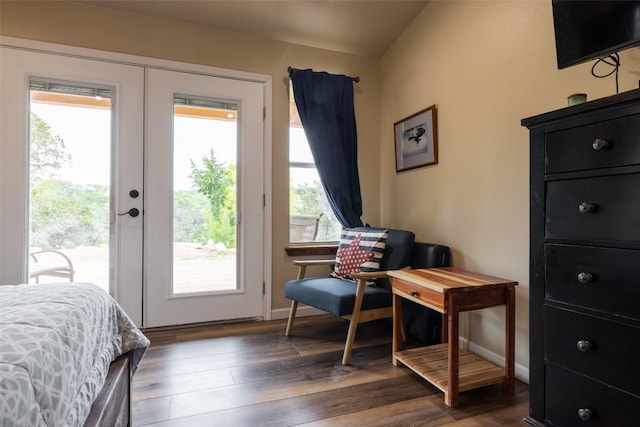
x: 586, y: 207
x: 584, y: 345
x: 585, y: 277
x: 599, y: 144
x: 585, y: 414
x: 413, y: 293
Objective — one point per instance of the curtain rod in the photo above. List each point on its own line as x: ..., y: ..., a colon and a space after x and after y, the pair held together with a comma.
x: 355, y: 79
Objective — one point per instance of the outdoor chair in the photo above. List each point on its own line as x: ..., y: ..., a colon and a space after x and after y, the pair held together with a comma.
x: 50, y: 263
x: 303, y: 228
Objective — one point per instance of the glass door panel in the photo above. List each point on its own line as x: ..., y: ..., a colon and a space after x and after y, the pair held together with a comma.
x: 205, y: 153
x: 70, y: 182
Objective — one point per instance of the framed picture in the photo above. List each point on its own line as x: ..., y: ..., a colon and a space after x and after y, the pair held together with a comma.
x: 416, y: 140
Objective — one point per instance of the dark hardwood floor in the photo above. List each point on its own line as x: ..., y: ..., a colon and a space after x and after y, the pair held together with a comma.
x: 250, y: 374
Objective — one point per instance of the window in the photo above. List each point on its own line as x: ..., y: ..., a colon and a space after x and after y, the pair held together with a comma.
x: 311, y: 218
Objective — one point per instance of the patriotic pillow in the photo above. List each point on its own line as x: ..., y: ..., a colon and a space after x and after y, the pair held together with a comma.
x: 359, y: 251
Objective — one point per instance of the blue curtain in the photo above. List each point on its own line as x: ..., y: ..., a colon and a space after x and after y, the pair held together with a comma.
x: 325, y: 105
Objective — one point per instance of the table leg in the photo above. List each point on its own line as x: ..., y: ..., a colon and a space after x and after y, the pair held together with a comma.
x: 397, y: 328
x: 510, y: 342
x: 451, y: 396
x: 444, y: 328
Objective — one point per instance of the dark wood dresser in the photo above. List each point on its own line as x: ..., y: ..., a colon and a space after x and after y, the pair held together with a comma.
x: 584, y: 366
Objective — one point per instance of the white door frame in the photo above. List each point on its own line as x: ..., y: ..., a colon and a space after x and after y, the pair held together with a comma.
x: 127, y: 59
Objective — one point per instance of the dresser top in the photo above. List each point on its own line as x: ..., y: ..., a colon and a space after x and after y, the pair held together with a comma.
x: 595, y: 106
x: 449, y: 279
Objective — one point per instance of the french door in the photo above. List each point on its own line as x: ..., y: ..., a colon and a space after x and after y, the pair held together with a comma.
x: 163, y: 130
x: 204, y: 138
x: 23, y: 70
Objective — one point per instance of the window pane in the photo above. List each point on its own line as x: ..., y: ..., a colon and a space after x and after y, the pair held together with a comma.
x: 299, y: 150
x: 307, y: 201
x: 70, y: 179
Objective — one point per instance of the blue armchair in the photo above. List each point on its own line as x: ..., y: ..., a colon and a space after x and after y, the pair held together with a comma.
x: 359, y: 302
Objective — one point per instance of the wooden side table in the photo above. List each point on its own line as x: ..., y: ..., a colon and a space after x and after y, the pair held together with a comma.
x: 450, y: 291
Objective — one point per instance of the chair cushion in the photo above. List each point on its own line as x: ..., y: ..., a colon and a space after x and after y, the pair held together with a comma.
x: 359, y: 250
x: 335, y: 296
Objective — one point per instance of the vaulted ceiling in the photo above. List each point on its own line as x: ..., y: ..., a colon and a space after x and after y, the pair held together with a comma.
x: 359, y: 27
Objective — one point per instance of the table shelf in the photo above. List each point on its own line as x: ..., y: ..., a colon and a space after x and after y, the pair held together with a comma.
x: 431, y: 364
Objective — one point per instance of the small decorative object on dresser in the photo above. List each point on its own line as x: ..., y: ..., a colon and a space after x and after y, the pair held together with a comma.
x: 576, y: 98
x: 585, y: 263
x: 416, y: 140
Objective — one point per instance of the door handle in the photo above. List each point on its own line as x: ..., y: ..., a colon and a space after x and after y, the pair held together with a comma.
x: 133, y: 212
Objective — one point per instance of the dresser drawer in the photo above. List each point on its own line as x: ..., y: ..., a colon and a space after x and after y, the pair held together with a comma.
x: 601, y: 405
x: 601, y: 349
x: 573, y: 149
x: 600, y: 208
x: 603, y: 279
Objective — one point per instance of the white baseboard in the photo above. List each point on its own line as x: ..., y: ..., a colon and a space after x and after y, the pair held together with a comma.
x: 522, y: 372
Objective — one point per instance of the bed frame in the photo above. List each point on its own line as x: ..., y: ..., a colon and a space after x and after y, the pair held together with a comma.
x: 112, y: 407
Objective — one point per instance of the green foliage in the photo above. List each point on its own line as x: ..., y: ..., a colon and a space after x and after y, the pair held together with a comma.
x: 48, y: 153
x: 190, y: 215
x: 310, y: 199
x: 65, y: 215
x: 217, y: 182
x: 62, y: 214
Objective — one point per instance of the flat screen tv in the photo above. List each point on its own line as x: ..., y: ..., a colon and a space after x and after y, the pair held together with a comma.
x: 586, y: 30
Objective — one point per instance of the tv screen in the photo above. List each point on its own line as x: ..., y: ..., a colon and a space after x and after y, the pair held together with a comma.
x: 586, y: 30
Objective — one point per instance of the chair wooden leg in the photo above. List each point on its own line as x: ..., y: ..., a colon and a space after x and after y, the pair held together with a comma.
x: 351, y: 336
x: 353, y: 325
x: 292, y: 317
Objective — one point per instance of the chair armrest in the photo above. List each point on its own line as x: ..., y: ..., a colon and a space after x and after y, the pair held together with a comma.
x: 63, y: 256
x: 367, y: 275
x: 312, y: 262
x: 303, y: 264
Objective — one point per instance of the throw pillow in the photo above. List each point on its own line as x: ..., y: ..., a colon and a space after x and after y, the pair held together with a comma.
x: 359, y: 251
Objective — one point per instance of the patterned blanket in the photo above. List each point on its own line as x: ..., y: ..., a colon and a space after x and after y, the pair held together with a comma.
x: 57, y: 341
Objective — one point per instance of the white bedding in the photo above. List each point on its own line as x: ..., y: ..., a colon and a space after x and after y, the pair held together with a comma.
x: 57, y: 341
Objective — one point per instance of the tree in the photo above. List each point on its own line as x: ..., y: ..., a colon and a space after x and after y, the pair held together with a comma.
x: 216, y: 181
x: 190, y: 215
x: 48, y: 152
x: 65, y: 215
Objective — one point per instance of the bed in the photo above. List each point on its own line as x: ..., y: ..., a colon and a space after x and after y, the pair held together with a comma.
x: 67, y: 354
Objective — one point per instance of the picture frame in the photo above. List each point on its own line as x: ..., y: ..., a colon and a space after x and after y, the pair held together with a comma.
x: 416, y: 140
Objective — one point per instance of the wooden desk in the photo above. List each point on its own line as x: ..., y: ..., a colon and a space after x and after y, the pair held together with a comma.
x: 450, y: 291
